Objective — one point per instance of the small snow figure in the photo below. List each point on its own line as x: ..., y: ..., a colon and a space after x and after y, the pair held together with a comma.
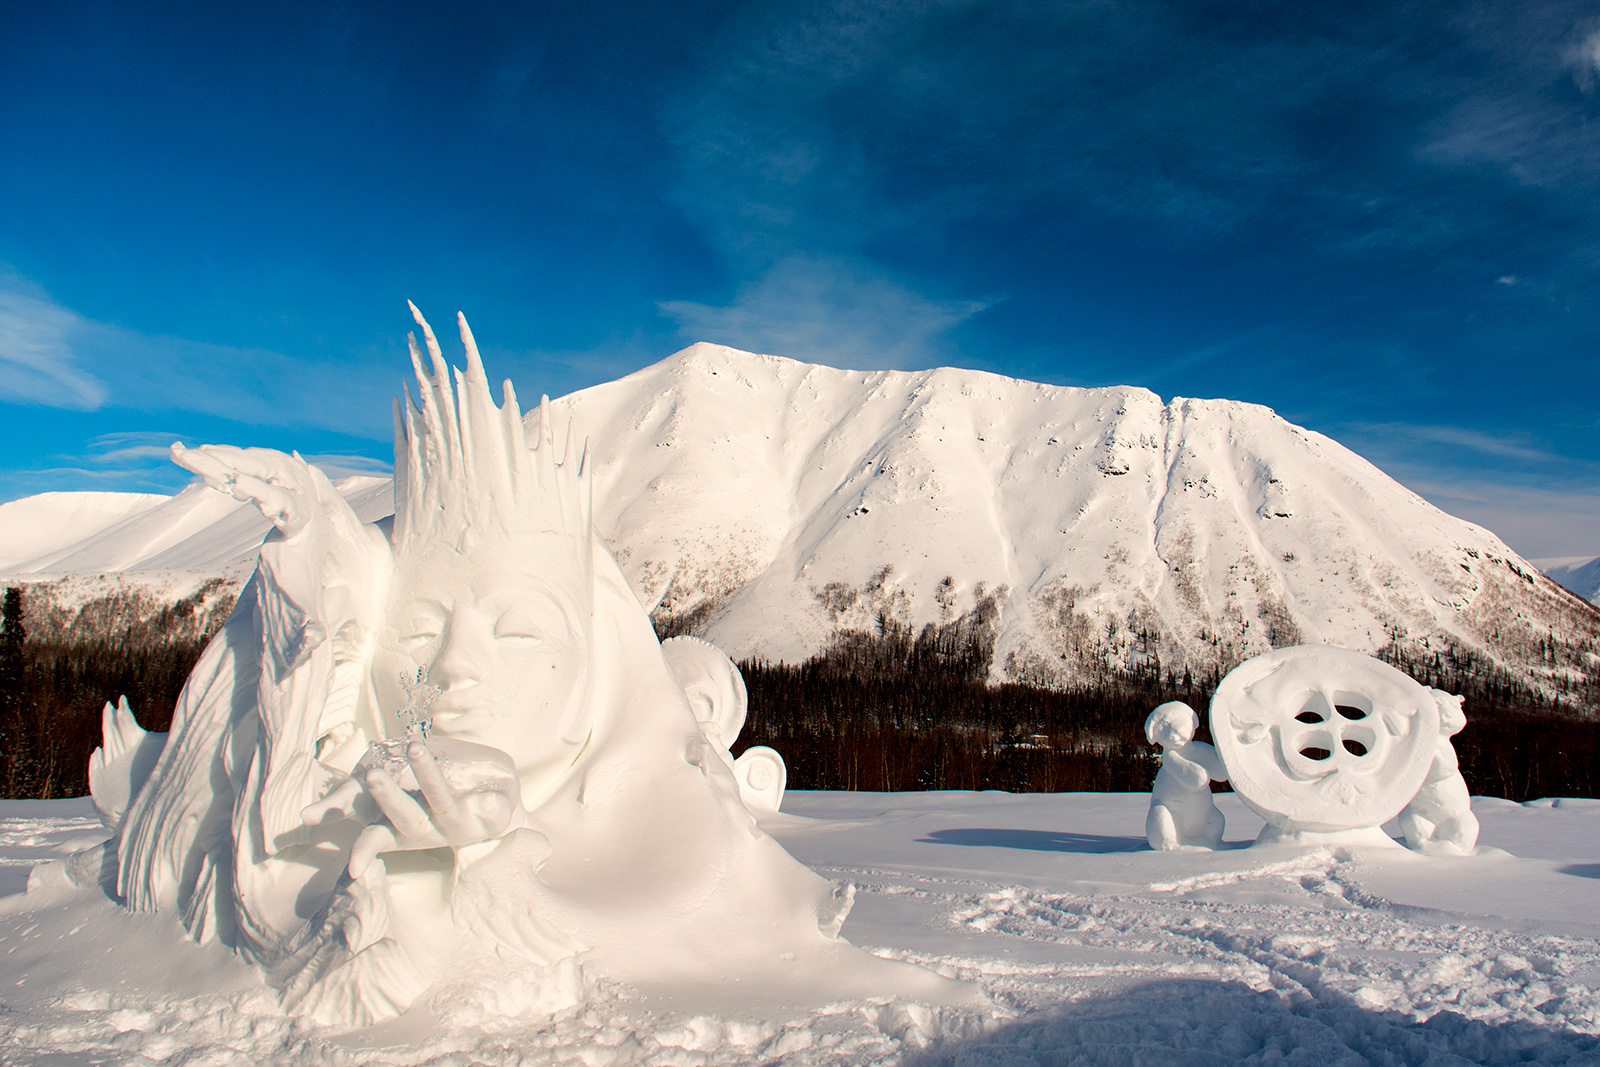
x: 1439, y: 820
x: 1182, y: 814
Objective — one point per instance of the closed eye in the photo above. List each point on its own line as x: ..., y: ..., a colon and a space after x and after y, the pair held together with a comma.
x: 419, y: 633
x: 514, y: 626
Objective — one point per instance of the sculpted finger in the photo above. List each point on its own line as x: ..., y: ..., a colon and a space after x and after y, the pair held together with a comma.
x: 374, y: 840
x: 230, y: 470
x: 267, y: 464
x: 440, y: 797
x: 268, y: 496
x: 404, y: 813
x: 339, y: 804
x: 217, y: 474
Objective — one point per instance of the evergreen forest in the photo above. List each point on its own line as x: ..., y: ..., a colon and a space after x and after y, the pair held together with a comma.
x: 885, y: 710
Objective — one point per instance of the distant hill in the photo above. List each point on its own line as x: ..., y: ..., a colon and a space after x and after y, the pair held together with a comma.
x: 1581, y: 574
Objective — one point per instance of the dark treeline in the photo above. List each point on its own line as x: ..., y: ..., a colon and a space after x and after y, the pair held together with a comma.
x: 1517, y: 744
x: 893, y: 711
x: 887, y: 711
x: 913, y: 723
x: 58, y: 669
x: 882, y: 711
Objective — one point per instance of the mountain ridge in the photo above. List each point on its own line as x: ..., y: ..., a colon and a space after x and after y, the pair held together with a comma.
x: 773, y: 506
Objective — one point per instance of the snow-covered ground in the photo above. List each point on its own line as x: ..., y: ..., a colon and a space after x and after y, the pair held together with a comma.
x: 1091, y: 948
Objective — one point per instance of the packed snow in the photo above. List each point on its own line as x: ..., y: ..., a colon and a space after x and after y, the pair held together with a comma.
x: 1090, y: 947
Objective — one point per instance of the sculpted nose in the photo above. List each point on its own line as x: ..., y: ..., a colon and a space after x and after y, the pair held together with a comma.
x: 459, y: 663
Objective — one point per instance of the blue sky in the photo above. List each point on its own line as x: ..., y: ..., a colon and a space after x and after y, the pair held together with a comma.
x: 1379, y: 219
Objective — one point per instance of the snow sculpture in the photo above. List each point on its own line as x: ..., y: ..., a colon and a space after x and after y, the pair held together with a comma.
x: 717, y: 696
x: 122, y: 762
x: 456, y: 745
x: 1325, y: 743
x: 762, y: 777
x: 1182, y: 813
x: 1439, y: 819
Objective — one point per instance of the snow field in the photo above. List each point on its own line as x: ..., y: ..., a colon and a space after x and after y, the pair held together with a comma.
x: 1091, y: 948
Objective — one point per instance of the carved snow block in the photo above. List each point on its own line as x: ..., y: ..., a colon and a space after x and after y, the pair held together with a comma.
x: 1322, y: 740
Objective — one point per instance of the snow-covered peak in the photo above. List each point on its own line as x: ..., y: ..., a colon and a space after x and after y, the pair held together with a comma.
x: 764, y: 498
x: 769, y: 504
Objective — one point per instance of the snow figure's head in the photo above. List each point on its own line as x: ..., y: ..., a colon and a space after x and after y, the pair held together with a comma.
x: 1452, y: 720
x: 491, y: 608
x: 1171, y: 724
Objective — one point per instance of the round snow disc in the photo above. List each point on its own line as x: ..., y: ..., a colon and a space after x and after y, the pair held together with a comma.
x: 762, y: 778
x: 1323, y: 739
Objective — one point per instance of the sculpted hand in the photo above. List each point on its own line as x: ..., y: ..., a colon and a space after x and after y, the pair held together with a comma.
x: 281, y: 486
x: 330, y: 563
x: 468, y: 794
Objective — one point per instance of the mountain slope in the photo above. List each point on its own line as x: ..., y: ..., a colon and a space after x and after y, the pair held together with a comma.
x: 771, y: 505
x: 37, y: 526
x: 84, y: 544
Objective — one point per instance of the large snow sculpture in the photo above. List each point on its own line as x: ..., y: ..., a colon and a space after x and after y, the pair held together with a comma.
x: 1325, y: 743
x: 422, y: 753
x: 1182, y: 813
x: 1439, y: 819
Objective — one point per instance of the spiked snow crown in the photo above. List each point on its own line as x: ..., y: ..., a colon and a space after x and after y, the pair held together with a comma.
x: 465, y: 470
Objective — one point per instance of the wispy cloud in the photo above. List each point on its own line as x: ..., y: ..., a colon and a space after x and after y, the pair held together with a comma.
x: 1538, y: 523
x: 338, y: 466
x: 1543, y: 503
x: 37, y: 361
x: 848, y: 123
x: 140, y: 461
x: 133, y: 448
x: 829, y: 311
x: 1501, y: 446
x: 135, y: 461
x: 54, y: 357
x: 1584, y: 58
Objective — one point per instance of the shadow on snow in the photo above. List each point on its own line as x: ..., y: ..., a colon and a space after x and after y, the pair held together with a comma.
x: 1034, y: 840
x: 1200, y: 1023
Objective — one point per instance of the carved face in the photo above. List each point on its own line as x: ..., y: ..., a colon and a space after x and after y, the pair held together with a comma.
x: 1171, y: 724
x: 1324, y: 739
x: 486, y: 652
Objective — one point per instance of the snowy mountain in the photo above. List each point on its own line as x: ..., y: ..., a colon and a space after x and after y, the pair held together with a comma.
x: 1581, y: 574
x: 84, y: 541
x: 777, y: 502
x: 769, y: 504
x: 33, y: 529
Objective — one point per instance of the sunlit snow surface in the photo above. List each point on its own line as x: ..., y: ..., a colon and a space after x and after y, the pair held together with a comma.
x: 1093, y: 949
